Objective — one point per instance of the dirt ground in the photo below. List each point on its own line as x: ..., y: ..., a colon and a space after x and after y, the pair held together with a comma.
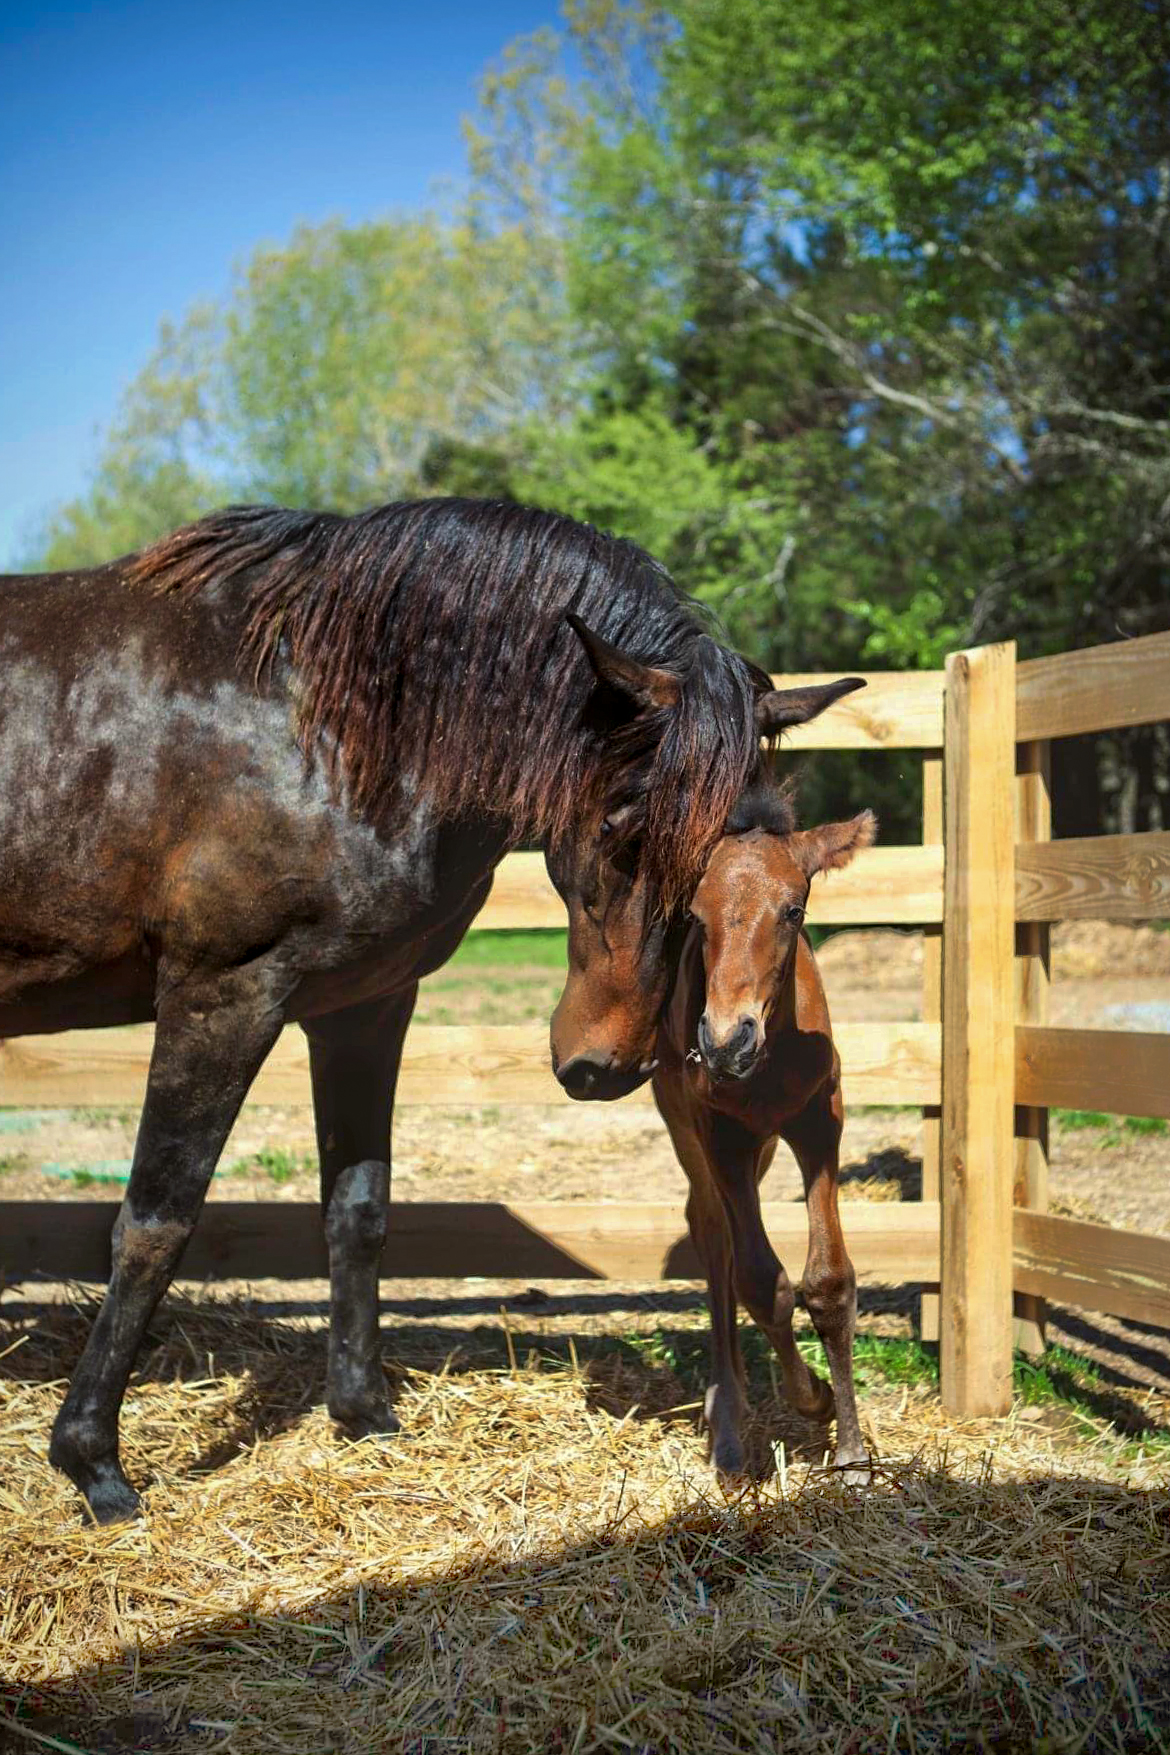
x: 1104, y: 977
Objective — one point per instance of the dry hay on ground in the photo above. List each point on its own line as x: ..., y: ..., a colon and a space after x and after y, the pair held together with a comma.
x: 547, y: 1564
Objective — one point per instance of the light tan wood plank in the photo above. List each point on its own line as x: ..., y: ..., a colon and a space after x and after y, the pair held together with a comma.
x: 1096, y: 689
x: 1123, y: 1273
x: 505, y: 1064
x: 896, y: 710
x: 978, y: 1016
x: 1033, y: 829
x: 1123, y: 1072
x: 890, y: 1242
x: 1100, y: 877
x: 932, y: 836
x: 521, y: 897
x: 885, y: 886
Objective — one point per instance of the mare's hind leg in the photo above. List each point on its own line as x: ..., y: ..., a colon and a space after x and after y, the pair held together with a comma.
x: 354, y: 1056
x: 211, y: 1036
x: 830, y: 1285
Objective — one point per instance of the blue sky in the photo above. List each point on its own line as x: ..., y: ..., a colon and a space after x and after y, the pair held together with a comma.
x: 147, y: 147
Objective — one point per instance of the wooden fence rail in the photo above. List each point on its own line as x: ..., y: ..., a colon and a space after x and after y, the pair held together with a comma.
x: 502, y: 1064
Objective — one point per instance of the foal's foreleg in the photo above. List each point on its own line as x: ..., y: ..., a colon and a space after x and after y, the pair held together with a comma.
x: 211, y: 1036
x: 830, y: 1284
x: 764, y: 1287
x: 726, y: 1397
x: 355, y: 1056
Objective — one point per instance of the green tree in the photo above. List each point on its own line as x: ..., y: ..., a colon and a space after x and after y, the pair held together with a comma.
x: 342, y: 369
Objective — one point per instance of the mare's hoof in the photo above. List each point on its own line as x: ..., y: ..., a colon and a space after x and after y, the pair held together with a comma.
x: 371, y: 1423
x: 111, y: 1499
x: 855, y: 1471
x: 102, y: 1485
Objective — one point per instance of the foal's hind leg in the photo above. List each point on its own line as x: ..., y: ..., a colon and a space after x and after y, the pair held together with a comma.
x: 354, y: 1056
x: 211, y: 1037
x: 830, y: 1285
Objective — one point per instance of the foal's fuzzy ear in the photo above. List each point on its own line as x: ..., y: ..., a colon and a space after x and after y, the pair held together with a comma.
x: 779, y: 708
x: 833, y: 845
x: 643, y: 684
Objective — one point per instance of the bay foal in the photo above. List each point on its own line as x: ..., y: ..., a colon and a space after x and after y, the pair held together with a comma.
x: 746, y: 1057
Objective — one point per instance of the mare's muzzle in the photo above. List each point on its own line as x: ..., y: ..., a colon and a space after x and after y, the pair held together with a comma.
x: 592, y: 1079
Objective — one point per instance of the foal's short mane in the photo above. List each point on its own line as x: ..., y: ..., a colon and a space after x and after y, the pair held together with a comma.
x: 430, y: 643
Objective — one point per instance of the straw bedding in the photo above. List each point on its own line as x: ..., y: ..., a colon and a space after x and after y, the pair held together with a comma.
x: 546, y: 1563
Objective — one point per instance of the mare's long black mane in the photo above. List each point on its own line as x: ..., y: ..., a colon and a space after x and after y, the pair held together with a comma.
x: 430, y: 639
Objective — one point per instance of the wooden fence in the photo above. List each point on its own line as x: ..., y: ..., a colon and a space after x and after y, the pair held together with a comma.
x: 985, y: 883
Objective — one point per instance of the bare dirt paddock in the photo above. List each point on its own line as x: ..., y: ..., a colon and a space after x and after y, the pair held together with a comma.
x: 544, y: 1560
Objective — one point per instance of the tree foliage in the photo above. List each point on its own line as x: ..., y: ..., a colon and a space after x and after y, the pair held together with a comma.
x: 853, y: 311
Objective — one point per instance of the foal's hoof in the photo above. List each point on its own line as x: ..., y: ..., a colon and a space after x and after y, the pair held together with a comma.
x: 819, y: 1404
x: 728, y: 1458
x: 855, y: 1471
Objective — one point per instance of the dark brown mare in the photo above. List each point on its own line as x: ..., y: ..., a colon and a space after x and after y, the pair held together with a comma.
x: 746, y: 1057
x: 263, y: 771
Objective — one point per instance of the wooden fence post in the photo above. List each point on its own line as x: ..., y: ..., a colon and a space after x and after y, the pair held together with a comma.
x: 932, y: 834
x: 1033, y: 823
x: 978, y: 1071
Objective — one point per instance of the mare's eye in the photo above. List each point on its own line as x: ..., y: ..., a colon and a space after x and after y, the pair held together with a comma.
x: 794, y: 915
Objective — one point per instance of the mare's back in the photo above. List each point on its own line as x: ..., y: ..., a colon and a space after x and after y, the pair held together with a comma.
x: 123, y: 712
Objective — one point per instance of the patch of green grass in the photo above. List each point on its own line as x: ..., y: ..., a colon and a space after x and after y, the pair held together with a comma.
x: 879, y: 1359
x: 1078, y: 1120
x: 1084, y: 1120
x: 1066, y: 1381
x: 277, y: 1163
x: 1145, y: 1124
x: 543, y: 947
x: 89, y: 1117
x: 12, y: 1161
x: 1054, y: 1377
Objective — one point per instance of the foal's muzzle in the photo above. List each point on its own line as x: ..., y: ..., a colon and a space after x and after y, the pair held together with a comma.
x: 736, y: 1055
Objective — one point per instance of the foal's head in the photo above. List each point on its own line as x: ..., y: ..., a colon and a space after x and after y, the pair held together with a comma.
x: 667, y: 744
x: 750, y: 908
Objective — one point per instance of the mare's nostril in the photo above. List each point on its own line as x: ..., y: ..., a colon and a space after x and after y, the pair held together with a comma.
x: 579, y: 1076
x: 746, y: 1037
x: 706, y: 1043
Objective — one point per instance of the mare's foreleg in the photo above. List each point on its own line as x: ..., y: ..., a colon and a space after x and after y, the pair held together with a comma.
x: 355, y: 1055
x: 211, y: 1036
x: 830, y: 1284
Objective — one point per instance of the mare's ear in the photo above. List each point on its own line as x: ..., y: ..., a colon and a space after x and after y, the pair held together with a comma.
x: 780, y: 708
x: 642, y: 684
x: 833, y: 845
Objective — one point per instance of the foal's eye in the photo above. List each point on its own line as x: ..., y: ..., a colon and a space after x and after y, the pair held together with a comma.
x: 794, y: 915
